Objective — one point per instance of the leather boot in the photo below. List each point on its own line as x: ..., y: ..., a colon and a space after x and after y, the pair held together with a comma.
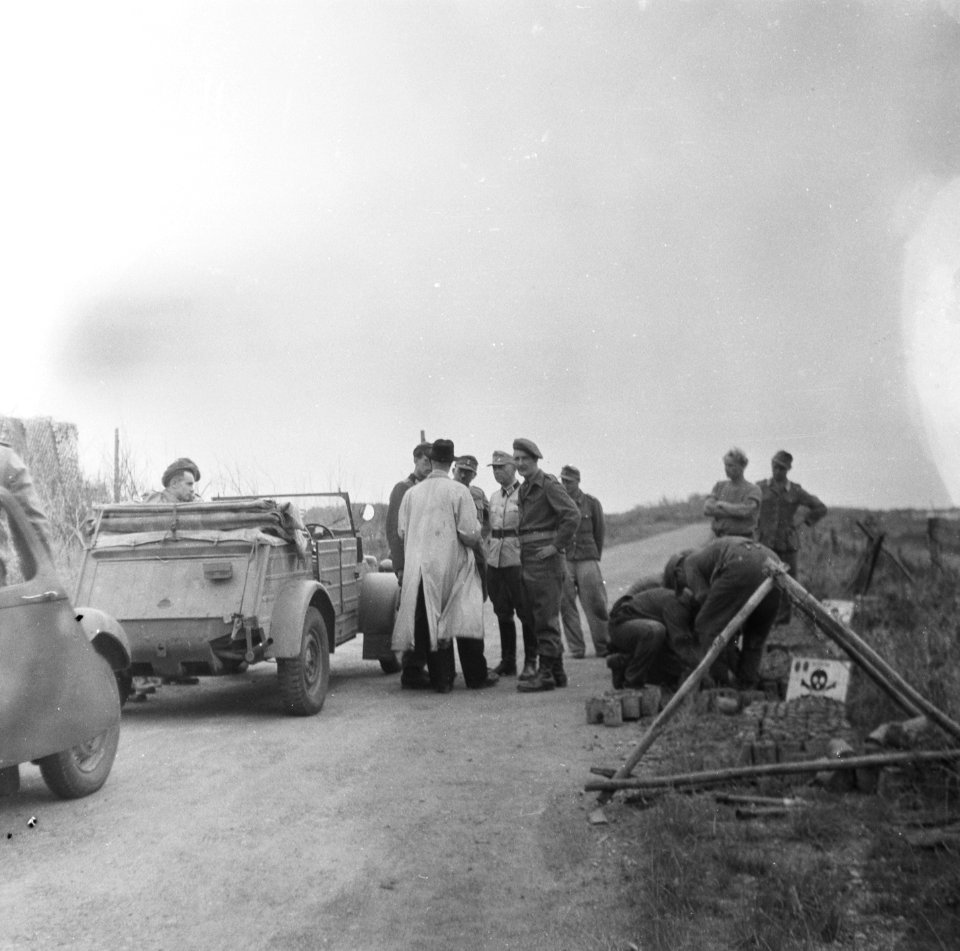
x: 541, y: 680
x: 559, y: 674
x: 529, y: 670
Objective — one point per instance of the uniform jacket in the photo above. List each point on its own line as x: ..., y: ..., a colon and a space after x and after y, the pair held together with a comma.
x: 15, y: 477
x: 702, y: 567
x: 778, y: 510
x: 587, y: 544
x: 394, y: 541
x: 546, y: 507
x: 504, y: 552
x: 436, y: 517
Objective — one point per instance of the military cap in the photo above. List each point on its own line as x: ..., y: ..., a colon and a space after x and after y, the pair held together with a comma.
x: 501, y: 458
x: 179, y: 465
x: 674, y: 562
x: 528, y: 446
x: 442, y: 451
x: 467, y: 462
x: 782, y: 458
x: 570, y: 472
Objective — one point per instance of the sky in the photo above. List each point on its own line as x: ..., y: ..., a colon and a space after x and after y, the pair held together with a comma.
x: 284, y: 238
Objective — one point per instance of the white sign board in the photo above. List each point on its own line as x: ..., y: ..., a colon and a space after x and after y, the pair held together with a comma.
x: 813, y: 677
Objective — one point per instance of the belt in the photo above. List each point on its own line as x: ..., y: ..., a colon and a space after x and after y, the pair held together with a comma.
x: 530, y: 537
x: 503, y: 532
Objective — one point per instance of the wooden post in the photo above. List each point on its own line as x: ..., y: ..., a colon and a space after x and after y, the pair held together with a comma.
x: 710, y: 776
x: 872, y: 663
x: 689, y: 685
x: 116, y: 465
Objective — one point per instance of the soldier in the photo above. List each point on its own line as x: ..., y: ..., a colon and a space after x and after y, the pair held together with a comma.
x: 440, y: 596
x: 465, y: 471
x: 722, y: 576
x: 548, y: 522
x: 413, y: 673
x: 15, y: 478
x: 734, y: 504
x: 778, y: 528
x: 504, y: 577
x: 582, y: 577
x: 421, y: 469
x: 179, y: 483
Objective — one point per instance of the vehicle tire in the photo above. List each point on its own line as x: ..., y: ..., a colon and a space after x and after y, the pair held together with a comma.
x: 82, y: 769
x: 124, y: 685
x: 304, y: 679
x: 390, y: 664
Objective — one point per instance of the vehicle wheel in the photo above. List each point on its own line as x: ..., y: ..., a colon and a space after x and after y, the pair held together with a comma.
x: 304, y: 679
x: 124, y: 685
x: 84, y: 768
x: 390, y: 664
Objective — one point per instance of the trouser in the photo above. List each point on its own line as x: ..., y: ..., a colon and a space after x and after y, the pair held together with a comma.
x: 505, y: 586
x: 440, y: 664
x: 584, y: 579
x: 789, y: 558
x: 651, y: 657
x: 729, y: 590
x: 542, y: 587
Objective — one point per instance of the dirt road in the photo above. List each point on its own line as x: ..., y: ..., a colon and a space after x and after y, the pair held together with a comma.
x: 393, y: 819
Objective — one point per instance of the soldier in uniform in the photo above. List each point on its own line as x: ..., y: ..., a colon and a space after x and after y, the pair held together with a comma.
x: 15, y: 478
x: 179, y: 483
x: 778, y: 528
x: 582, y: 576
x: 504, y: 578
x: 465, y: 471
x: 548, y: 522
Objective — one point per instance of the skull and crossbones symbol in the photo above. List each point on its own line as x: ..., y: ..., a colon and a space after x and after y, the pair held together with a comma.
x: 819, y: 681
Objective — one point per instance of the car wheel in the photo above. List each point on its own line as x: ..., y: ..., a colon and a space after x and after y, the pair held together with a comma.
x: 82, y: 769
x: 304, y: 679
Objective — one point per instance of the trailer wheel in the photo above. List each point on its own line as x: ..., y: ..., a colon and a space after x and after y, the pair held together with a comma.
x: 82, y: 769
x: 304, y: 679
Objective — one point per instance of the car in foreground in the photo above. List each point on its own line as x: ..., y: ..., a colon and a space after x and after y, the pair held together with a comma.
x: 59, y: 703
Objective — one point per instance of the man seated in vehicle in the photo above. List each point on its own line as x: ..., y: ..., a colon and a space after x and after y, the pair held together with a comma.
x: 179, y: 483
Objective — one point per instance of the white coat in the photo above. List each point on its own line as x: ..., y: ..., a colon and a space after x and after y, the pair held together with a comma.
x: 437, y: 517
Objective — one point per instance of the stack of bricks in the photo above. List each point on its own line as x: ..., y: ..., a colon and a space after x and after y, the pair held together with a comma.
x: 788, y: 732
x: 617, y: 706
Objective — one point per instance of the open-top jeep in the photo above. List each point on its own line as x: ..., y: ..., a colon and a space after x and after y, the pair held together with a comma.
x: 205, y: 588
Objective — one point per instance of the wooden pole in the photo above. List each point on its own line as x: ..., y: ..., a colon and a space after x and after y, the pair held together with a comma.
x: 710, y: 776
x: 872, y: 663
x: 116, y: 465
x: 688, y: 686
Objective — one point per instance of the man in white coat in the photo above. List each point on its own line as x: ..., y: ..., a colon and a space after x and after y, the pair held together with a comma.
x: 440, y: 592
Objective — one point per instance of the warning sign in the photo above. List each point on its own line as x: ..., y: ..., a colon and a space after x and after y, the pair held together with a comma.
x: 813, y: 677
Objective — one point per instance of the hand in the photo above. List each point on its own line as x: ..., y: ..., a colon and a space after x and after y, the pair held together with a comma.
x: 548, y: 551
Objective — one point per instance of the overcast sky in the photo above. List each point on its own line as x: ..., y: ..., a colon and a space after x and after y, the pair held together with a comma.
x: 283, y: 238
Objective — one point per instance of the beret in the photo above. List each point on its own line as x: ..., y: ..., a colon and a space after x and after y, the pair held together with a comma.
x: 442, y: 450
x: 179, y: 465
x: 528, y: 446
x: 570, y: 472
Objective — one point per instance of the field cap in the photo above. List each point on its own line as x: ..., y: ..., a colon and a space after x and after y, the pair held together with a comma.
x: 467, y: 462
x: 528, y: 446
x: 782, y: 458
x: 179, y: 465
x: 423, y: 449
x: 570, y: 472
x: 442, y: 450
x: 501, y: 458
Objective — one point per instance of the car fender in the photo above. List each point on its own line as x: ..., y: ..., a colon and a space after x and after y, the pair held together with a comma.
x: 286, y: 624
x: 107, y: 636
